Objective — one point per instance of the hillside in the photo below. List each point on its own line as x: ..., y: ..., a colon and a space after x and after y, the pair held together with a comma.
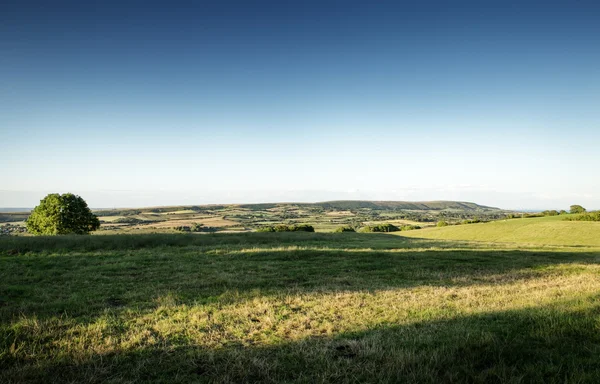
x: 408, y: 205
x: 333, y: 205
x: 540, y: 231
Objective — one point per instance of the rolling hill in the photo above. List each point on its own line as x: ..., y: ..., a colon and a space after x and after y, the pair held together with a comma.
x: 408, y: 205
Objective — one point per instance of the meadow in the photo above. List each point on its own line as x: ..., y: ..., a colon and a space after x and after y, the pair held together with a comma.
x: 473, y: 303
x: 551, y: 230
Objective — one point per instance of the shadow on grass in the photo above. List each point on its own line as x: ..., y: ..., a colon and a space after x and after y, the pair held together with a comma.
x: 82, y: 278
x: 83, y: 284
x: 546, y: 344
x: 15, y: 245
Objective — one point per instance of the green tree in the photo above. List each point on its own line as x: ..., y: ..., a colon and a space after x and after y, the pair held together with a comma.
x: 577, y: 209
x: 62, y: 215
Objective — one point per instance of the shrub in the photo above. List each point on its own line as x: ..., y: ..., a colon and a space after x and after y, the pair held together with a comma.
x: 303, y: 228
x: 531, y: 215
x: 62, y: 215
x: 409, y: 227
x: 380, y: 228
x: 442, y: 223
x: 550, y: 213
x: 195, y: 227
x: 129, y: 220
x: 344, y: 228
x: 287, y: 228
x: 590, y: 216
x: 472, y: 221
x: 283, y: 228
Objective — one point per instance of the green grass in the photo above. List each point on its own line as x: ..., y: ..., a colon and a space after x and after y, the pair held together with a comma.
x: 299, y: 307
x: 553, y: 230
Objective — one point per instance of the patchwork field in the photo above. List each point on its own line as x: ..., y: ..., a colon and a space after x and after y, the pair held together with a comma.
x: 455, y: 304
x: 324, y: 217
x: 208, y: 221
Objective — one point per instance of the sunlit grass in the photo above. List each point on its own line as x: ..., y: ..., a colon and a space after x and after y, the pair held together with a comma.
x: 552, y: 230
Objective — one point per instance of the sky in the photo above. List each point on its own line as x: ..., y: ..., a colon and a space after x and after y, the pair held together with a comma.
x: 132, y: 104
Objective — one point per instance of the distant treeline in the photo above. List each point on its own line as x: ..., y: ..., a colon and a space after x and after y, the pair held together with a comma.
x: 195, y: 227
x: 287, y: 228
x: 387, y: 228
x: 537, y: 214
x: 590, y: 216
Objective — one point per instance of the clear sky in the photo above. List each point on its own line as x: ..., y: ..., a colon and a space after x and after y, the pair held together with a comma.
x: 137, y: 103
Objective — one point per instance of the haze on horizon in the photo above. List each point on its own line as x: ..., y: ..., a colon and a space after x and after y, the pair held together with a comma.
x: 133, y: 104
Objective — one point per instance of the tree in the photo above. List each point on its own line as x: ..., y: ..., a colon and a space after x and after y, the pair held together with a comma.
x: 62, y: 215
x: 577, y: 209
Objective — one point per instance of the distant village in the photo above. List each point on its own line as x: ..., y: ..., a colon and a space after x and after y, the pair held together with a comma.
x: 11, y: 229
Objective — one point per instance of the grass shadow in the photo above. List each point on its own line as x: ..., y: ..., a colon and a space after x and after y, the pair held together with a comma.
x: 18, y: 245
x: 85, y: 284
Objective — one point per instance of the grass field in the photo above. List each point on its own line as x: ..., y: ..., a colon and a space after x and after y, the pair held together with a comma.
x: 553, y: 230
x: 305, y: 307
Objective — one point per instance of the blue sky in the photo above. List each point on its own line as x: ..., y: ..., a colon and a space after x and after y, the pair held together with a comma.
x: 137, y: 103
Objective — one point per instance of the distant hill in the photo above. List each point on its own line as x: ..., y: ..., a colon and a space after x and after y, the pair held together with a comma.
x: 11, y: 210
x: 410, y: 205
x: 382, y: 205
x: 329, y: 205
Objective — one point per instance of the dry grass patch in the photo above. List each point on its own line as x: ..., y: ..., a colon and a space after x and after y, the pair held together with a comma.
x: 339, y: 213
x: 207, y: 221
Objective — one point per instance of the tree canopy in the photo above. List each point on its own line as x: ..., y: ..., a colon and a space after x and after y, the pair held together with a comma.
x: 577, y: 209
x: 62, y: 215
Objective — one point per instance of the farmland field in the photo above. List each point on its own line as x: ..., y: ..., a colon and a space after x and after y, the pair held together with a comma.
x: 454, y: 304
x: 324, y: 217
